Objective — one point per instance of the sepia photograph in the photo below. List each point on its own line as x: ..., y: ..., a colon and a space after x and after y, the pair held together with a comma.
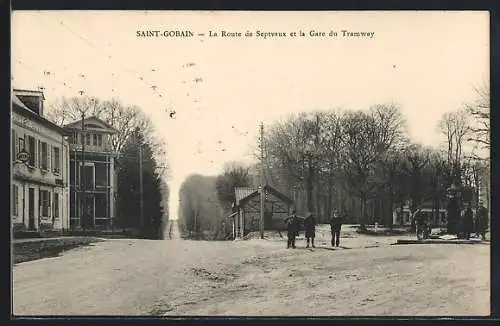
x: 250, y: 163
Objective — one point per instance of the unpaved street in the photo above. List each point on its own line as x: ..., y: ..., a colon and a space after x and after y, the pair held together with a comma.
x: 257, y: 277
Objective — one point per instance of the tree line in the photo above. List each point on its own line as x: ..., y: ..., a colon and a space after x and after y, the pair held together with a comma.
x: 135, y: 131
x: 362, y: 163
x: 333, y: 159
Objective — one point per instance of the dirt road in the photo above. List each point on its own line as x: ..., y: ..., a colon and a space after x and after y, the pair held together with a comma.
x: 257, y: 277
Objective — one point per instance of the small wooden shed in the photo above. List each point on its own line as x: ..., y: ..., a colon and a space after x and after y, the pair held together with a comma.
x: 246, y: 210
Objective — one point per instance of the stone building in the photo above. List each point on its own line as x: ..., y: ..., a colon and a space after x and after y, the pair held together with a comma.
x: 40, y: 162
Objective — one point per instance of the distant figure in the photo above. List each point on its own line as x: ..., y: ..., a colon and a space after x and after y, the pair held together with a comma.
x: 421, y: 226
x: 453, y: 217
x: 468, y: 221
x: 335, y: 225
x: 292, y: 225
x: 310, y: 228
x: 482, y: 221
x: 419, y: 219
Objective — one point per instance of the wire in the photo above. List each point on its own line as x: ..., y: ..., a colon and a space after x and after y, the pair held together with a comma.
x: 108, y: 56
x: 46, y: 73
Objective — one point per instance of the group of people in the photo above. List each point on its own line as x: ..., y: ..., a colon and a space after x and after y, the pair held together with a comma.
x: 469, y: 222
x: 294, y: 222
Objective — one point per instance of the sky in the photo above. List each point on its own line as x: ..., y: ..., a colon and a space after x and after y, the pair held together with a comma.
x: 221, y: 88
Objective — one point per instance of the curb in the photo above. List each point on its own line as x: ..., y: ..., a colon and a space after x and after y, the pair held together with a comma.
x: 402, y: 242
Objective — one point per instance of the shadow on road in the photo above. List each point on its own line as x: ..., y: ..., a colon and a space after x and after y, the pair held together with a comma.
x: 323, y: 248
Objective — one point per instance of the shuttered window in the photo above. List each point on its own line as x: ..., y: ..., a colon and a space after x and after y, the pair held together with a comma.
x: 56, y: 160
x: 56, y: 205
x: 32, y: 150
x: 14, y: 147
x: 39, y: 153
x: 44, y: 155
x: 15, y: 200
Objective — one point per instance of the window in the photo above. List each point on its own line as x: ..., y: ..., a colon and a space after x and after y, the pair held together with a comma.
x: 44, y: 200
x: 101, y: 174
x: 99, y: 140
x: 74, y: 138
x: 31, y: 150
x: 15, y: 201
x: 13, y: 149
x: 94, y: 138
x: 87, y: 139
x: 44, y: 162
x: 56, y: 205
x: 56, y: 160
x: 21, y: 145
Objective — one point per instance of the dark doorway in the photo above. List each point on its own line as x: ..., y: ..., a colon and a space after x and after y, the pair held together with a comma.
x: 31, y: 208
x: 89, y: 210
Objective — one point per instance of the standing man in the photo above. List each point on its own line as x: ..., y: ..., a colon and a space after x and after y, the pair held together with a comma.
x: 468, y: 222
x: 482, y: 220
x: 419, y: 220
x: 335, y: 225
x: 310, y: 228
x: 292, y: 225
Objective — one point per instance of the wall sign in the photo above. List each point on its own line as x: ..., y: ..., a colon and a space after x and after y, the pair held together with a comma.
x: 23, y: 156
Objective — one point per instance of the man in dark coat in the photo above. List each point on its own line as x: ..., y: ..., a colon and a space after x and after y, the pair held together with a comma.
x: 335, y: 225
x: 468, y: 221
x: 292, y: 225
x: 482, y: 220
x: 420, y: 220
x: 310, y: 228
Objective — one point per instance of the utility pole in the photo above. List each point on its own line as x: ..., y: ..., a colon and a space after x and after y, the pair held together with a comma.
x: 83, y: 181
x: 262, y: 190
x: 141, y: 190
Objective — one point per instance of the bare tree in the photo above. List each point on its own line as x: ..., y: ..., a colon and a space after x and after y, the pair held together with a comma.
x: 479, y: 111
x: 235, y: 175
x: 455, y: 127
x: 417, y: 158
x: 361, y: 155
x: 123, y: 118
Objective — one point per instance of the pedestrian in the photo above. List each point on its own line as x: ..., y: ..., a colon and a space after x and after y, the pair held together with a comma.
x: 310, y: 228
x: 292, y: 224
x: 482, y: 221
x: 468, y: 221
x: 419, y: 219
x: 335, y: 225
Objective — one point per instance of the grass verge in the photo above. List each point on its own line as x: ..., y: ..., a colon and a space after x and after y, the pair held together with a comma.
x: 33, y: 250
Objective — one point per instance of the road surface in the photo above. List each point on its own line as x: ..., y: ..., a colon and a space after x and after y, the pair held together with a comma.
x: 257, y: 277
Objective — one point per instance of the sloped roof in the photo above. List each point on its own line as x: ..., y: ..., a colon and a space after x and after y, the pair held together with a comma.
x: 91, y: 120
x: 20, y: 107
x: 17, y: 101
x: 244, y: 194
x: 27, y: 92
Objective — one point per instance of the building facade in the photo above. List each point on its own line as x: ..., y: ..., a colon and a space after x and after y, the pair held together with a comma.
x: 40, y: 162
x: 92, y: 174
x: 437, y: 218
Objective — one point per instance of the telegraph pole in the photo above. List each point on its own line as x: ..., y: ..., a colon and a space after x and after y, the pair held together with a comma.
x: 141, y: 190
x: 83, y: 181
x: 262, y: 190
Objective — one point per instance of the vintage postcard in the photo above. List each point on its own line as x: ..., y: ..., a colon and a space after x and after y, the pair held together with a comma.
x: 231, y: 163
